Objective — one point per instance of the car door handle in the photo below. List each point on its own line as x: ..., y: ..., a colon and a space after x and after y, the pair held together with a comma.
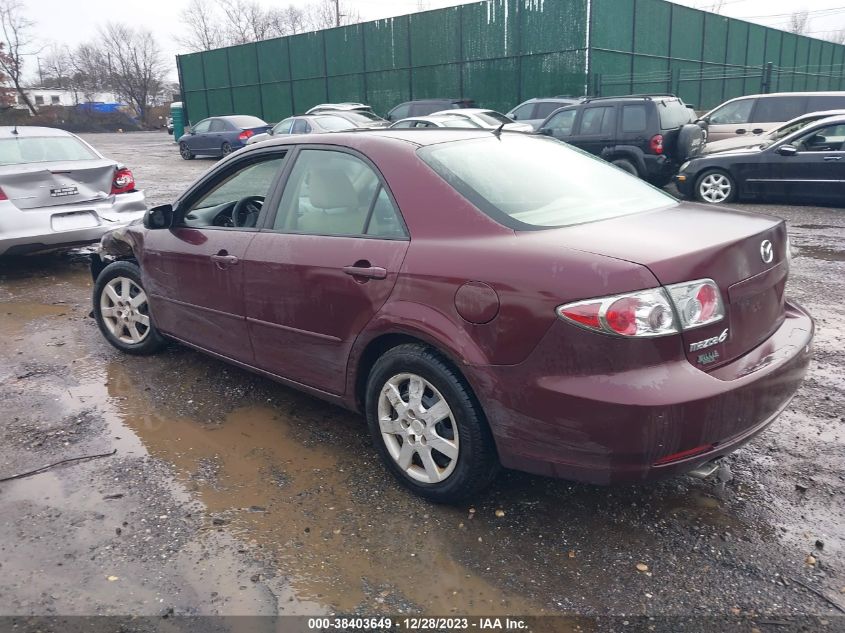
x: 833, y: 158
x: 758, y: 130
x: 224, y: 258
x: 370, y: 272
x: 741, y: 131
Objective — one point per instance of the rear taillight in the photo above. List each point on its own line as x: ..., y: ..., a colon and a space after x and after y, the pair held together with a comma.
x: 3, y: 195
x: 245, y: 135
x: 656, y: 144
x: 649, y: 312
x: 123, y: 181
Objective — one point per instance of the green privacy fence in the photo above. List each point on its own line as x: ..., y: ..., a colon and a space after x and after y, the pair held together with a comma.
x: 504, y: 51
x: 641, y: 46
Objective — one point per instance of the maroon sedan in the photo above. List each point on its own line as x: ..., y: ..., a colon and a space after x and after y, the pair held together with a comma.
x: 485, y: 299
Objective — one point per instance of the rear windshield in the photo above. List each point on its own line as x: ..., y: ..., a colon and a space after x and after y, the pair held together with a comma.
x: 43, y: 149
x: 333, y: 123
x: 548, y: 183
x: 492, y: 117
x: 245, y: 122
x: 673, y: 114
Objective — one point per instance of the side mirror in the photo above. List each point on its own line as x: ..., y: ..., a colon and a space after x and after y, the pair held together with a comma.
x: 160, y: 217
x: 545, y: 131
x: 787, y: 150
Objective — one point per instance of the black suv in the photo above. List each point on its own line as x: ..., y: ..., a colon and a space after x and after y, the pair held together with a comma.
x: 649, y: 136
x: 424, y: 107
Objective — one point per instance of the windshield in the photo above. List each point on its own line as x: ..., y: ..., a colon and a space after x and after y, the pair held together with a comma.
x: 532, y: 182
x: 333, y: 123
x: 43, y: 149
x: 245, y: 122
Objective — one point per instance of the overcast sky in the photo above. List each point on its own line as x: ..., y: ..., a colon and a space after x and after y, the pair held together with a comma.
x: 69, y: 22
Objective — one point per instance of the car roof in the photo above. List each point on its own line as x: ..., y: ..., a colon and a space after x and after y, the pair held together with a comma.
x: 821, y: 114
x: 7, y: 131
x: 552, y: 100
x: 413, y: 137
x: 347, y: 105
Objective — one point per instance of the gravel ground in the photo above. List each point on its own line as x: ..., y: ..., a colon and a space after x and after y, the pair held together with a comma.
x: 229, y: 494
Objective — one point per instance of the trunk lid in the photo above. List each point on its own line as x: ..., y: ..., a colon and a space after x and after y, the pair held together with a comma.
x: 39, y: 185
x: 690, y: 242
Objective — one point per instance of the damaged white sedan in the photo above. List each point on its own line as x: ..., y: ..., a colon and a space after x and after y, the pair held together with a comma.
x: 56, y: 191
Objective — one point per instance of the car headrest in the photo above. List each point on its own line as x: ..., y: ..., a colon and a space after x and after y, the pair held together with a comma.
x: 330, y: 188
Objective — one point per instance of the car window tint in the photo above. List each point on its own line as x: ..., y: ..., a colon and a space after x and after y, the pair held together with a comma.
x: 773, y: 109
x: 549, y: 183
x: 35, y: 149
x: 283, y: 127
x: 327, y: 193
x: 299, y: 126
x: 826, y: 139
x: 399, y: 112
x: 202, y: 126
x: 733, y: 113
x: 633, y: 118
x: 384, y: 220
x: 673, y: 114
x: 217, y: 126
x: 562, y: 122
x: 608, y: 122
x: 820, y: 103
x: 545, y: 108
x: 592, y: 121
x: 254, y: 178
x: 524, y: 112
x: 423, y: 109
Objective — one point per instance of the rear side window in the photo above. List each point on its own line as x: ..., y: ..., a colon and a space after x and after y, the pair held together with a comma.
x: 734, y: 112
x: 775, y: 109
x: 217, y: 126
x: 300, y: 126
x: 673, y: 114
x: 634, y: 118
x: 825, y: 102
x: 423, y: 109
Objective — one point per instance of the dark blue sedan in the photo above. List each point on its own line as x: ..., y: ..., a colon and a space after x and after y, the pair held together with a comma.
x: 220, y: 135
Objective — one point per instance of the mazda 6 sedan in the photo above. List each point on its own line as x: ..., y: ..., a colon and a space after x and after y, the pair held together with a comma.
x: 484, y: 300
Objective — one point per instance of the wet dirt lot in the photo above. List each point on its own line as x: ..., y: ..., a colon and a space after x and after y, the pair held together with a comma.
x: 230, y: 494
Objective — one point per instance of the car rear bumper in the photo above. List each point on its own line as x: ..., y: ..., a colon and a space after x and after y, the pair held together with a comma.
x: 46, y: 228
x: 626, y: 427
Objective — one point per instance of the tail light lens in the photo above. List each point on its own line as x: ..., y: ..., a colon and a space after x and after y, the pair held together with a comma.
x: 123, y: 181
x: 697, y: 302
x: 245, y: 135
x: 3, y: 195
x: 656, y: 144
x: 654, y: 312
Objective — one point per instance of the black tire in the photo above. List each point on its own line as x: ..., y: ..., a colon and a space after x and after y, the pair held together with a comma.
x: 625, y: 165
x: 226, y: 148
x: 185, y: 152
x: 152, y: 340
x: 719, y: 175
x: 690, y: 142
x: 476, y: 463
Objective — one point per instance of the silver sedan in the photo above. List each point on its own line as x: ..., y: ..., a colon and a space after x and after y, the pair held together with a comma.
x: 57, y: 191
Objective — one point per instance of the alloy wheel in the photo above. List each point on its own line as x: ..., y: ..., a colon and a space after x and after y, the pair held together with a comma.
x: 418, y: 428
x: 715, y: 188
x: 184, y: 151
x: 123, y: 306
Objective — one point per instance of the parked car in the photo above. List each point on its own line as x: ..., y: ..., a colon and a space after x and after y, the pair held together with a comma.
x: 566, y: 320
x: 535, y: 111
x: 489, y: 119
x: 435, y: 120
x: 57, y: 191
x: 169, y: 125
x: 424, y: 107
x: 220, y: 135
x: 339, y: 107
x: 767, y: 138
x: 357, y: 113
x: 646, y: 135
x: 316, y: 124
x: 807, y: 165
x: 755, y: 114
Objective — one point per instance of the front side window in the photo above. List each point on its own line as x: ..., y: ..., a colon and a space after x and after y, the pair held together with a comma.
x: 735, y: 112
x: 335, y: 193
x: 217, y: 126
x: 202, y: 126
x: 561, y: 123
x: 523, y: 112
x: 596, y: 121
x: 40, y: 149
x: 549, y: 183
x: 826, y: 139
x: 237, y: 199
x: 283, y: 127
x: 399, y: 112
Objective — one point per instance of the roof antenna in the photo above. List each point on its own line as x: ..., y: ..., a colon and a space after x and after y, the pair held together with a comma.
x: 498, y: 131
x: 15, y: 131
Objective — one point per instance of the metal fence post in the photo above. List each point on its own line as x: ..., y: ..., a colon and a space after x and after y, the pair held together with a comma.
x: 596, y: 85
x: 766, y: 81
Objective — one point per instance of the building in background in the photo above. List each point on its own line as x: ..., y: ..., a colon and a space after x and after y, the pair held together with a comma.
x: 61, y: 97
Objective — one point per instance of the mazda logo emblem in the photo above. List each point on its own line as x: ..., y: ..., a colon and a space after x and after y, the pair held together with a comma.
x: 767, y: 251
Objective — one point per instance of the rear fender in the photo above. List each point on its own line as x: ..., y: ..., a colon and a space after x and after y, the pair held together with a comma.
x: 628, y: 152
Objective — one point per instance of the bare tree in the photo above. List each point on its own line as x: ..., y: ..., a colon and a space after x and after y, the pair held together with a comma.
x: 246, y: 21
x: 16, y: 28
x: 135, y: 67
x: 328, y: 13
x: 201, y: 27
x: 798, y: 22
x: 289, y: 20
x: 57, y: 68
x: 90, y: 72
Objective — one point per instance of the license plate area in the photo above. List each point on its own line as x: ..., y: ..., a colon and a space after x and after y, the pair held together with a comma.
x: 74, y: 220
